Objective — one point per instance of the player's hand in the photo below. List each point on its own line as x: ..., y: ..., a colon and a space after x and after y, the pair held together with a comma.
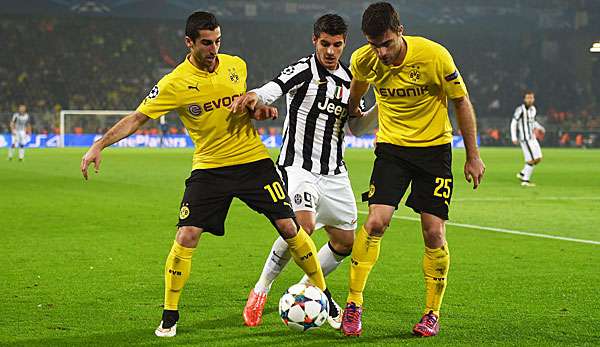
x: 515, y: 142
x: 93, y: 155
x: 356, y: 113
x: 474, y: 170
x: 245, y: 102
x: 263, y: 112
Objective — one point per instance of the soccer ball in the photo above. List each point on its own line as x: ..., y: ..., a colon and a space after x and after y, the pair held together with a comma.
x: 303, y: 307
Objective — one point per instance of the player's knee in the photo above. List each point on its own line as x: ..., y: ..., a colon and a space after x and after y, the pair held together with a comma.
x: 434, y: 236
x: 342, y: 246
x: 376, y: 226
x: 309, y: 227
x: 286, y: 228
x: 538, y: 160
x: 188, y: 236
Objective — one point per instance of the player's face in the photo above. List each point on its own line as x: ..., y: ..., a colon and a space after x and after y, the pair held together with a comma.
x: 205, y: 48
x: 387, y: 46
x: 329, y: 49
x: 529, y: 99
x: 22, y: 108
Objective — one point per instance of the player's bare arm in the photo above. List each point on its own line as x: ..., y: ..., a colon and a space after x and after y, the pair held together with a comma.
x: 357, y: 90
x: 474, y: 166
x: 257, y: 109
x: 125, y: 127
x: 362, y: 125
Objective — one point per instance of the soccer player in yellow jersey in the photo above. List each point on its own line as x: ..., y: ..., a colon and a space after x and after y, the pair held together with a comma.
x: 413, y: 79
x: 230, y: 159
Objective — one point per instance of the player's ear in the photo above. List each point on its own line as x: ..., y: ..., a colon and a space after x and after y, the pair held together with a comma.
x: 315, y: 40
x: 189, y: 42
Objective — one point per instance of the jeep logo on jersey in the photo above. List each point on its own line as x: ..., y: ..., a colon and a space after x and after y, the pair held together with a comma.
x: 329, y: 106
x: 403, y: 92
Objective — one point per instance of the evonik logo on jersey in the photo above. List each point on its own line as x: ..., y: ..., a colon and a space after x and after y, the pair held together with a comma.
x: 197, y: 109
x: 403, y: 92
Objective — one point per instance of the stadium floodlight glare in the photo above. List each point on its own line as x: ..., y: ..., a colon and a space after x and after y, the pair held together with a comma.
x: 66, y: 113
x: 595, y: 47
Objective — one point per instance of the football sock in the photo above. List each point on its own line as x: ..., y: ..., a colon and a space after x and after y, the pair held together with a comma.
x: 304, y: 252
x: 276, y: 261
x: 177, y: 272
x: 329, y: 260
x: 11, y: 152
x: 169, y: 318
x: 364, y: 256
x: 21, y: 153
x: 436, y: 263
x: 527, y: 171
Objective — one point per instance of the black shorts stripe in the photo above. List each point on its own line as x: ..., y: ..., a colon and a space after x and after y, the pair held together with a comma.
x: 529, y: 149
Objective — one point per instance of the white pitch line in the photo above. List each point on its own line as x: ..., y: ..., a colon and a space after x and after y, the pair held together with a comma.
x: 544, y: 198
x: 500, y: 230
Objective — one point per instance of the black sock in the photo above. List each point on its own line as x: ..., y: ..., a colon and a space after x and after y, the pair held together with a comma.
x: 169, y: 318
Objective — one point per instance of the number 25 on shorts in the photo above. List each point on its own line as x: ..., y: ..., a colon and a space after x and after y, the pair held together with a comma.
x: 443, y: 188
x: 276, y: 191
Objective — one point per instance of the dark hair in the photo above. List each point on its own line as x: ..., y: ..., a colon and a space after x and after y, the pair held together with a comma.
x: 331, y: 24
x: 378, y: 18
x: 200, y: 20
x: 527, y: 92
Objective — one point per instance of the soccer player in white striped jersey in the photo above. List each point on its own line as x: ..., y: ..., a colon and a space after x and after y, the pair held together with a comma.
x: 522, y: 129
x: 311, y: 159
x: 20, y: 124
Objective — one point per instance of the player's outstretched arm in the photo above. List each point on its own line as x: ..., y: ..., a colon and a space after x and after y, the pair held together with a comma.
x: 357, y: 90
x: 362, y: 125
x: 125, y: 127
x: 474, y: 166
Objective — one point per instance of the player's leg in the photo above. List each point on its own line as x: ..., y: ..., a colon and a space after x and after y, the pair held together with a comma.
x: 260, y: 187
x: 389, y: 180
x: 430, y: 196
x: 11, y: 149
x: 204, y: 207
x: 21, y: 141
x: 536, y: 158
x: 299, y: 183
x: 525, y: 174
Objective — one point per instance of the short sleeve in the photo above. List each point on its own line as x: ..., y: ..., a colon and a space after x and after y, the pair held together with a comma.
x: 356, y: 68
x: 161, y: 100
x: 452, y: 81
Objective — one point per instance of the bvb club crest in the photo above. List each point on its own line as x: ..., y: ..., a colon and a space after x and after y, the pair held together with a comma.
x: 371, y: 190
x: 184, y: 212
x: 414, y: 74
x: 233, y: 76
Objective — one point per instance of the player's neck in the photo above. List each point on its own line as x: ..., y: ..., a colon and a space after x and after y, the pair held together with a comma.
x: 403, y: 49
x: 207, y: 68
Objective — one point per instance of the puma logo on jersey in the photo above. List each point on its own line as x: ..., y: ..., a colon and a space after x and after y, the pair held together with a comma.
x: 328, y: 106
x: 194, y: 87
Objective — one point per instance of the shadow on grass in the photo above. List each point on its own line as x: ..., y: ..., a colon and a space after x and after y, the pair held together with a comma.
x: 223, y: 331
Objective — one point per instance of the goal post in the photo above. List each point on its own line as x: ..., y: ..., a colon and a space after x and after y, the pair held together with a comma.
x: 66, y: 113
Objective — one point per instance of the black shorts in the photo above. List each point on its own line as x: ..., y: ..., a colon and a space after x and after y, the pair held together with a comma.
x: 209, y: 192
x: 428, y: 170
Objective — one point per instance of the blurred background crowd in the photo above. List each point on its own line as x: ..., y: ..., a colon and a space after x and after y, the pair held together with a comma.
x: 107, y: 55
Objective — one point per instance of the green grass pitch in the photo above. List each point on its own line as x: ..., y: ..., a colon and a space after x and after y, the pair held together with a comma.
x: 83, y: 261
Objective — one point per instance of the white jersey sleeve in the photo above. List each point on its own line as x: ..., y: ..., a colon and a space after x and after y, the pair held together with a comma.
x: 513, y: 124
x: 287, y: 81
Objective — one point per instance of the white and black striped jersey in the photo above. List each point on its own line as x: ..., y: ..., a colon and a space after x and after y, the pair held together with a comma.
x: 523, y: 123
x: 20, y: 121
x: 317, y: 110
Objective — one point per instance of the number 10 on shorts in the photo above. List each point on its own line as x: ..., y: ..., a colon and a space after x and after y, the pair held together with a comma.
x: 276, y: 191
x: 443, y: 188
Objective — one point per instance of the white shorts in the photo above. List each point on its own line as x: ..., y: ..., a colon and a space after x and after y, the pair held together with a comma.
x: 20, y: 138
x: 329, y: 196
x: 531, y: 149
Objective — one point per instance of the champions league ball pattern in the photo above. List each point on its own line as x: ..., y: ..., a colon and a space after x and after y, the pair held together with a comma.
x: 303, y: 307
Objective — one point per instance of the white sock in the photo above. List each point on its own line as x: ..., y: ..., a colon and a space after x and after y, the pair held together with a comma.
x: 21, y: 153
x: 277, y: 260
x: 329, y: 260
x: 527, y: 171
x: 11, y: 152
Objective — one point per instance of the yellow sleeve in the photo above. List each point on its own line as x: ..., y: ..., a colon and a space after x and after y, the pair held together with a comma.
x: 161, y: 100
x: 452, y: 81
x: 357, y: 66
